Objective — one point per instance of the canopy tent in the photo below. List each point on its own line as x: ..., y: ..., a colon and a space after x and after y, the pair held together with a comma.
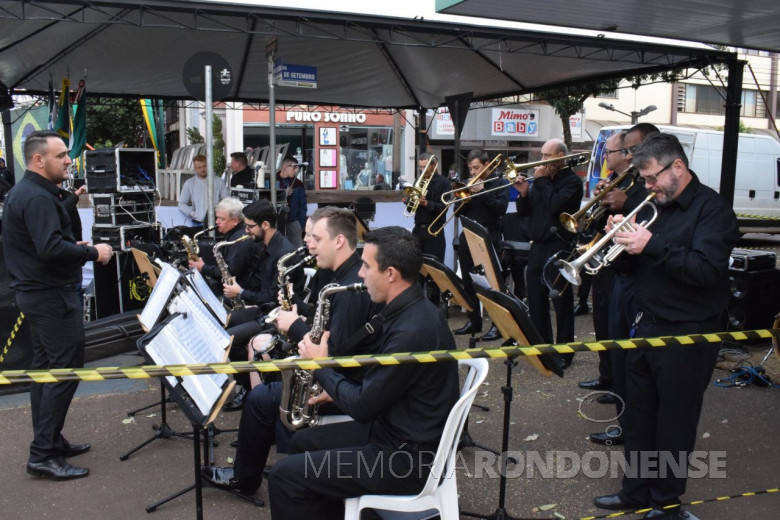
x: 139, y: 48
x: 748, y: 24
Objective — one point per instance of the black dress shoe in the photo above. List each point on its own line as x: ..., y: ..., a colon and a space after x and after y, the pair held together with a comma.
x: 237, y: 402
x: 234, y: 444
x: 670, y: 514
x: 615, y: 503
x: 56, y: 469
x: 468, y: 328
x: 606, y: 439
x: 581, y: 309
x: 491, y: 335
x: 224, y: 478
x: 607, y: 399
x: 71, y: 450
x: 594, y: 384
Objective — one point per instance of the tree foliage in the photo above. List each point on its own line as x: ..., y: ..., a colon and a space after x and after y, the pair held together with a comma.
x: 218, y: 147
x: 111, y: 121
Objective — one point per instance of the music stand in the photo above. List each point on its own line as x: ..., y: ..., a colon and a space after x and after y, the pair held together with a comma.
x: 512, y: 320
x: 199, y: 397
x: 483, y: 253
x: 450, y: 285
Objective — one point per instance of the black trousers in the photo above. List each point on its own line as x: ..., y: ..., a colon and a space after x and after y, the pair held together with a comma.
x: 539, y: 294
x: 664, y: 389
x: 602, y: 289
x: 624, y: 311
x: 435, y: 246
x: 244, y: 324
x: 339, y: 461
x: 57, y: 335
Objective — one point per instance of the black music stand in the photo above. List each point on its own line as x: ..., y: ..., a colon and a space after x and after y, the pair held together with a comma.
x: 483, y: 253
x: 511, y: 318
x: 201, y: 423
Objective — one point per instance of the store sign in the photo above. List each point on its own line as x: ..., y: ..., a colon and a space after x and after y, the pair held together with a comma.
x: 304, y: 116
x: 512, y: 122
x: 575, y: 126
x: 444, y: 126
x: 289, y: 75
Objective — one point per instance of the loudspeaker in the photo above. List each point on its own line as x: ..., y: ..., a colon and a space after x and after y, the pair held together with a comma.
x: 753, y: 303
x: 119, y: 286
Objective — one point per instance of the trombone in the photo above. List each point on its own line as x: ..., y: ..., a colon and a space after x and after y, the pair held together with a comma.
x: 600, y: 254
x: 462, y: 193
x: 413, y: 194
x: 592, y: 212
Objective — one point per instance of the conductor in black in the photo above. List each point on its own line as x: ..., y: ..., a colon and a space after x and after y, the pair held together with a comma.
x: 399, y: 410
x: 44, y: 263
x: 681, y: 287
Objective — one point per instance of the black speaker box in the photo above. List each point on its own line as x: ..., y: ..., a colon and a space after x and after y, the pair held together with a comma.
x: 755, y: 298
x: 119, y: 286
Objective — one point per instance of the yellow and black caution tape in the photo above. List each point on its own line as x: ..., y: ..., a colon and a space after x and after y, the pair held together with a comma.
x: 757, y: 217
x: 8, y: 377
x: 691, y: 503
x: 12, y: 336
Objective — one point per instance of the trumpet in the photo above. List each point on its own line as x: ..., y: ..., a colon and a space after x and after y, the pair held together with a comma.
x: 413, y: 194
x: 601, y: 254
x: 592, y: 211
x: 462, y: 193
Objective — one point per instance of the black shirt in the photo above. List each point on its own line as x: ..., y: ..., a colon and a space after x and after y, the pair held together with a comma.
x: 546, y: 200
x: 436, y: 188
x: 71, y: 201
x: 239, y: 258
x: 405, y: 403
x: 40, y: 250
x: 349, y: 311
x: 682, y: 274
x: 265, y: 275
x: 245, y: 178
x: 488, y: 209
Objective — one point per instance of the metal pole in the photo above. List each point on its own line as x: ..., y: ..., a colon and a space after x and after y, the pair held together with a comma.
x: 209, y: 149
x: 271, y: 166
x: 728, y: 174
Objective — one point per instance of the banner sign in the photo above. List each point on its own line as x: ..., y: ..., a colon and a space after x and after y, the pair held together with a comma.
x: 289, y: 75
x: 513, y: 122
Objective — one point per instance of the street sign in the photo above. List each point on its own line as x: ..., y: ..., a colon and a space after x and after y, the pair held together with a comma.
x: 289, y: 75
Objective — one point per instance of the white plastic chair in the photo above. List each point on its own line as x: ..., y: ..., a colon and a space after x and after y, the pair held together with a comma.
x: 440, y: 492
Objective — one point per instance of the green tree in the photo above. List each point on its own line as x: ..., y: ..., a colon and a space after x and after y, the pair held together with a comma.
x: 218, y: 146
x: 567, y: 101
x: 114, y: 120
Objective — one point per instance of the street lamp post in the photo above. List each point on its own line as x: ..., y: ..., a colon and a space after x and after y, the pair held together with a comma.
x: 634, y: 115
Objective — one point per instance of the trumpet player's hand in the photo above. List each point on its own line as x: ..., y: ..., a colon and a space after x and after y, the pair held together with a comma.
x: 286, y: 318
x: 542, y: 171
x: 635, y: 241
x: 599, y: 186
x: 307, y: 349
x: 320, y: 398
x: 197, y: 264
x: 232, y: 289
x: 614, y: 200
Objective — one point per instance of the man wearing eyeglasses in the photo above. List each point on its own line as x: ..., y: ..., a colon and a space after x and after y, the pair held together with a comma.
x: 292, y: 216
x: 681, y: 287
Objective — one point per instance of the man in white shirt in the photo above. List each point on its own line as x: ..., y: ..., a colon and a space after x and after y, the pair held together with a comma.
x: 194, y: 199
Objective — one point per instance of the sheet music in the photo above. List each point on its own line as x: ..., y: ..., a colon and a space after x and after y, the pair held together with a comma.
x: 480, y: 280
x: 203, y: 290
x: 166, y: 283
x: 180, y: 342
x: 208, y: 336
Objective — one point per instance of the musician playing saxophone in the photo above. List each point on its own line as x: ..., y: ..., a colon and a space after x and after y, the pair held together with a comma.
x: 333, y: 240
x: 399, y: 410
x: 239, y: 257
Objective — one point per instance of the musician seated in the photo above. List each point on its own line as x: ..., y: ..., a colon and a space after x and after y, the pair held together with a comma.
x: 333, y: 240
x: 260, y: 223
x: 238, y: 257
x: 398, y: 410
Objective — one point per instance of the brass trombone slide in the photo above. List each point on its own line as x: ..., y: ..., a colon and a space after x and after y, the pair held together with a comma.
x: 592, y: 211
x: 413, y: 194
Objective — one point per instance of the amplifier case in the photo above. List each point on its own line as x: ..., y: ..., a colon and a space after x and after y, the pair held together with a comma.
x: 112, y: 209
x: 753, y: 303
x: 120, y: 170
x: 119, y: 237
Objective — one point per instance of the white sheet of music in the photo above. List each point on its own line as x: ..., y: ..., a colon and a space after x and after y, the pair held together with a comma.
x: 203, y: 290
x: 479, y: 280
x: 166, y: 283
x: 207, y: 335
x: 178, y: 343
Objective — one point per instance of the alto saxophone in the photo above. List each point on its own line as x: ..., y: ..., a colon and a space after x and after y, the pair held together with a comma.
x: 283, y: 279
x: 236, y: 302
x: 298, y: 385
x: 191, y: 244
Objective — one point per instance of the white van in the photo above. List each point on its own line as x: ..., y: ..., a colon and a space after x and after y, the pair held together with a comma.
x: 757, y: 186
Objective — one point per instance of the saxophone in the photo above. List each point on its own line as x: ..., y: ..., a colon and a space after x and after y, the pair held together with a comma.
x: 298, y: 385
x: 283, y: 279
x: 191, y: 244
x: 236, y: 302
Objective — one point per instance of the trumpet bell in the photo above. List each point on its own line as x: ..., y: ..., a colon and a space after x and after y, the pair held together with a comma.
x: 570, y: 223
x: 570, y: 273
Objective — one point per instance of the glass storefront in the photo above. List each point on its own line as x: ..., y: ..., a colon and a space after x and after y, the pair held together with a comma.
x: 364, y: 152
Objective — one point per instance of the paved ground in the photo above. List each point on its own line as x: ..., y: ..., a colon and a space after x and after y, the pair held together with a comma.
x: 739, y: 425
